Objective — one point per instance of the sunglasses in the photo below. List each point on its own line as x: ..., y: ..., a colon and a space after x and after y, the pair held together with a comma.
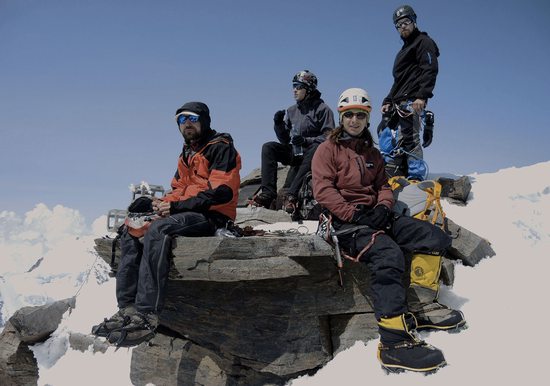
x: 351, y: 114
x: 298, y: 86
x: 403, y: 23
x: 183, y: 118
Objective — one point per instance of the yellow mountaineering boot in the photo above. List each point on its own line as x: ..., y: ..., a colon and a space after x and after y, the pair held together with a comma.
x: 400, y: 350
x: 422, y: 296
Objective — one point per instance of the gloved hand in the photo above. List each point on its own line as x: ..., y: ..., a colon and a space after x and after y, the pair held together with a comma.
x: 298, y: 140
x: 279, y: 117
x: 427, y: 136
x: 377, y: 218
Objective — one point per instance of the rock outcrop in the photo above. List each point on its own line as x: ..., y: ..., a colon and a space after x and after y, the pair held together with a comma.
x: 27, y: 326
x: 258, y: 310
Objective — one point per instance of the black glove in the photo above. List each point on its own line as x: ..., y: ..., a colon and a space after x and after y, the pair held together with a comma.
x: 279, y: 116
x: 385, y: 122
x: 298, y: 140
x: 377, y: 218
x: 427, y: 136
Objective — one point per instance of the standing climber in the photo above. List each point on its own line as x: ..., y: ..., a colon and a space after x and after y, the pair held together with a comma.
x: 404, y: 108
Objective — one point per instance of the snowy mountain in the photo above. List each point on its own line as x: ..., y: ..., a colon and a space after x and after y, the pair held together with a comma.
x: 48, y: 255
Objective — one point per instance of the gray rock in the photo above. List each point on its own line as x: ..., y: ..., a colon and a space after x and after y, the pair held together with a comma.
x: 18, y: 366
x: 251, y: 183
x: 456, y: 190
x: 35, y: 324
x: 28, y: 325
x: 255, y: 311
x: 447, y: 276
x: 254, y: 216
x: 83, y: 342
x: 467, y: 246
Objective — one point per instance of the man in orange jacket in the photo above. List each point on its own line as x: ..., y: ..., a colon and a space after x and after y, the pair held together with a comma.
x: 203, y: 198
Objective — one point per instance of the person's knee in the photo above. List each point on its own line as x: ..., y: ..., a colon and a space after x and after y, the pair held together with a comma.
x: 442, y: 239
x: 268, y: 148
x: 156, y: 229
x: 389, y: 275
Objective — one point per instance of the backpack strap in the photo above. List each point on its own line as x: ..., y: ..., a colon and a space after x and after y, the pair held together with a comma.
x: 433, y: 189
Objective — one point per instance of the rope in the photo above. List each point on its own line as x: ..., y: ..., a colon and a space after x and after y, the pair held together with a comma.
x: 290, y: 231
x: 87, y: 276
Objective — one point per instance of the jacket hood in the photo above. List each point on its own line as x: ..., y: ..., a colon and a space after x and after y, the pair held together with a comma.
x: 312, y: 99
x: 202, y: 110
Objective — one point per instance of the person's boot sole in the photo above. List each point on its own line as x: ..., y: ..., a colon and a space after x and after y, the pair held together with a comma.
x: 402, y: 369
x: 453, y: 329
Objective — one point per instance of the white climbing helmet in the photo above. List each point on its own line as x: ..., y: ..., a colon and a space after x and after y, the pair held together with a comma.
x: 354, y: 98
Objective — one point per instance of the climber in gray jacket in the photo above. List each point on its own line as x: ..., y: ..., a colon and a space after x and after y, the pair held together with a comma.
x: 300, y: 129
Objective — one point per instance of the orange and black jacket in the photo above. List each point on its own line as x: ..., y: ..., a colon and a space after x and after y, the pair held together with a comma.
x: 207, y: 179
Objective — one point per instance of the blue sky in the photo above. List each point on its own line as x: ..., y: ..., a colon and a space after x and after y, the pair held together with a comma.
x: 88, y: 90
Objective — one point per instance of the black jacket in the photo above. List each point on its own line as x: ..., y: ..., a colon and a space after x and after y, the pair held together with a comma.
x: 310, y: 118
x: 415, y: 69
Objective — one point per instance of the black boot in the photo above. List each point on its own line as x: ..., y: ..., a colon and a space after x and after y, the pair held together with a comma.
x: 262, y: 199
x: 400, y: 350
x: 435, y: 316
x: 141, y: 328
x: 117, y: 321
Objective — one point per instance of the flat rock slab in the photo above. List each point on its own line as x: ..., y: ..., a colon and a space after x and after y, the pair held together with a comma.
x: 253, y: 216
x: 467, y: 246
x: 246, y: 258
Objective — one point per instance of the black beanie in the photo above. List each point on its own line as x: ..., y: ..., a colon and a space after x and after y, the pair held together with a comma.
x: 198, y: 108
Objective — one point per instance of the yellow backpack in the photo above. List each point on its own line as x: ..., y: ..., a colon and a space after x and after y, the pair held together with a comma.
x: 419, y: 199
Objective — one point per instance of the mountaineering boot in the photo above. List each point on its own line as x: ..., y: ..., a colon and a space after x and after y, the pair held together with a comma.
x: 400, y: 350
x: 262, y: 200
x: 118, y: 320
x: 422, y: 296
x: 141, y: 328
x: 290, y: 204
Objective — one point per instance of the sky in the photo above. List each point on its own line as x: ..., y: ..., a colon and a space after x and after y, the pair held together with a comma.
x: 88, y: 90
x: 502, y: 297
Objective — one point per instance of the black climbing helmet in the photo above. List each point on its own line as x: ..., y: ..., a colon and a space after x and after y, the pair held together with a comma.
x: 402, y: 12
x: 307, y: 78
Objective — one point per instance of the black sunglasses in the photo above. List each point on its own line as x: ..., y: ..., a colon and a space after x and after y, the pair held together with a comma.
x: 351, y: 114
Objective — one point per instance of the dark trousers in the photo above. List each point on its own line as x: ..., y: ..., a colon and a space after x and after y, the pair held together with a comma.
x: 273, y: 152
x: 385, y: 259
x: 409, y: 140
x: 143, y: 270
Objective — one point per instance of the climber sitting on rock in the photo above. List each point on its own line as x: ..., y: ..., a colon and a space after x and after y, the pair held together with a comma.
x: 203, y: 198
x: 349, y: 181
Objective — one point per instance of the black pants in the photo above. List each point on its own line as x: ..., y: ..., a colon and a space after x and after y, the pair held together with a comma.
x: 386, y: 257
x: 408, y: 139
x: 273, y: 152
x: 143, y: 269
